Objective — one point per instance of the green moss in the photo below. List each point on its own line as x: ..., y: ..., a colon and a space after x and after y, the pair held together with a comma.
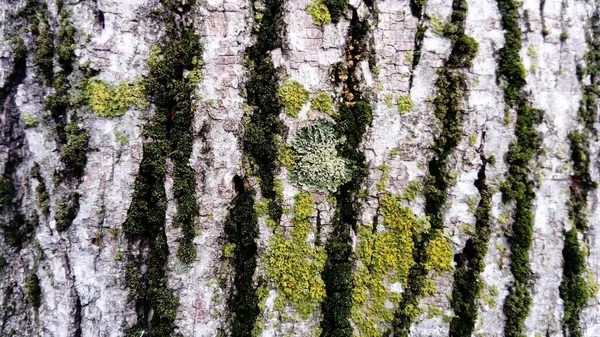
x: 354, y: 117
x: 385, y: 257
x: 450, y: 111
x: 405, y: 104
x: 170, y: 88
x: 319, y: 12
x: 336, y: 8
x: 66, y: 212
x: 241, y: 228
x: 294, y: 95
x: 439, y: 254
x: 437, y: 24
x: 30, y: 121
x: 518, y: 186
x: 113, y: 101
x: 43, y: 45
x: 74, y: 152
x: 322, y: 102
x: 33, y: 292
x: 470, y: 263
x: 121, y: 137
x: 294, y: 264
x: 41, y: 193
x: 7, y: 191
x: 318, y: 163
x: 564, y: 36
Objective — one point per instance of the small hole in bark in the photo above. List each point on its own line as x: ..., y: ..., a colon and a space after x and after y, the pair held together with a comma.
x: 99, y: 21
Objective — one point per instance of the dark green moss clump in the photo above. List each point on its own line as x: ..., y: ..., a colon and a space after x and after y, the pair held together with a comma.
x: 74, y: 152
x: 261, y: 88
x: 574, y: 288
x: 169, y: 133
x: 241, y: 229
x: 43, y: 44
x: 351, y: 124
x: 66, y: 212
x: 33, y: 292
x: 336, y: 8
x: 450, y: 111
x: 470, y: 262
x: 518, y: 185
x: 41, y: 193
x: 260, y: 146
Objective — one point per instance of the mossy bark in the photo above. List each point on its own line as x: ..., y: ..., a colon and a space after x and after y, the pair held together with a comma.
x: 450, y: 110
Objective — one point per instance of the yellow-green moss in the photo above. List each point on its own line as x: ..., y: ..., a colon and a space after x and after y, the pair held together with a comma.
x: 437, y: 24
x: 319, y: 12
x: 294, y: 264
x: 385, y: 176
x: 261, y: 207
x: 286, y: 156
x: 439, y: 254
x: 121, y: 137
x: 294, y: 95
x: 30, y: 121
x: 322, y: 102
x: 385, y: 257
x: 195, y: 75
x: 412, y: 190
x: 228, y: 250
x: 405, y: 104
x: 113, y: 101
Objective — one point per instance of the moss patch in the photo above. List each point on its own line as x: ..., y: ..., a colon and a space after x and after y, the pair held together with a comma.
x: 319, y: 12
x: 113, y: 101
x: 385, y: 258
x: 294, y: 264
x: 450, y: 111
x: 322, y: 102
x: 351, y: 124
x: 294, y: 95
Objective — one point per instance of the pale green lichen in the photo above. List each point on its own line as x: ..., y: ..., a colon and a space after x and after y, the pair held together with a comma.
x: 319, y: 12
x: 294, y: 95
x: 318, y: 163
x: 108, y: 101
x: 294, y: 264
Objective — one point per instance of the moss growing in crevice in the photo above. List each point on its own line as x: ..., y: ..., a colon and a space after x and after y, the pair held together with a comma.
x: 241, y: 229
x: 466, y: 286
x: 518, y: 187
x: 575, y: 288
x: 336, y: 8
x: 294, y: 264
x: 41, y: 192
x: 16, y: 229
x: 66, y: 212
x: 263, y: 125
x: 354, y: 117
x: 450, y: 111
x: 169, y: 133
x: 33, y: 292
x: 385, y: 258
x: 261, y: 143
